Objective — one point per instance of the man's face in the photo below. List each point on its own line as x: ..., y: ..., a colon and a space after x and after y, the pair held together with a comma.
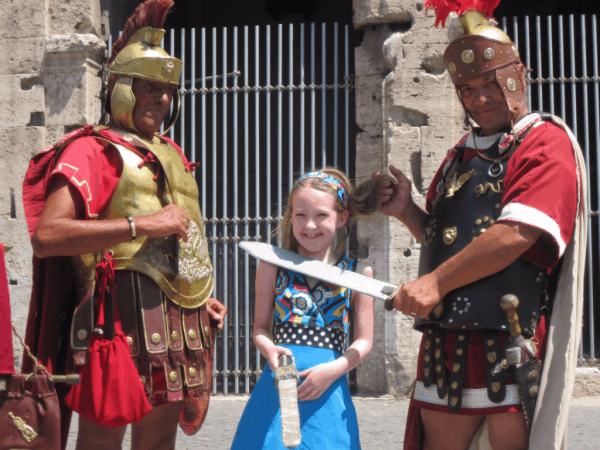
x: 483, y: 99
x: 152, y: 102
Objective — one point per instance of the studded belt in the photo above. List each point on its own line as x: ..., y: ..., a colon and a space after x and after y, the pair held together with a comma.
x: 309, y: 336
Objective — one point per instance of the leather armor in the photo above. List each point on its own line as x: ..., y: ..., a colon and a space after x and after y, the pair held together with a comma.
x: 468, y: 202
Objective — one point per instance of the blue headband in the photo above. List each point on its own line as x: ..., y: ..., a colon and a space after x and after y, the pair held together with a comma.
x: 331, y: 181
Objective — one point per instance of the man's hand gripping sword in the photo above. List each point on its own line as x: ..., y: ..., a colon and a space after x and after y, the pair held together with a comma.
x: 286, y: 381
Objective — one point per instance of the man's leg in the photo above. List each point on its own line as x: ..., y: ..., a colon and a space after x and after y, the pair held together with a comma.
x: 95, y: 437
x: 445, y: 431
x: 508, y: 431
x: 158, y: 430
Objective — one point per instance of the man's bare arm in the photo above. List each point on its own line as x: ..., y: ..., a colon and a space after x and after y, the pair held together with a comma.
x: 493, y: 251
x: 62, y: 230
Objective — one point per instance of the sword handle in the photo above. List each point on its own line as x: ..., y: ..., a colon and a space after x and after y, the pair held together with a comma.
x: 509, y: 303
x: 389, y: 303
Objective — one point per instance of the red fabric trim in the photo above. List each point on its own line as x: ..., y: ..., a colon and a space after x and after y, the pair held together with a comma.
x: 6, y: 348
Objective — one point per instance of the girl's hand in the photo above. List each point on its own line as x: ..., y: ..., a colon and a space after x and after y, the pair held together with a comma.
x: 318, y: 379
x: 273, y: 356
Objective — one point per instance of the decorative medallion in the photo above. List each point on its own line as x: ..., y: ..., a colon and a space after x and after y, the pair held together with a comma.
x: 533, y: 392
x: 454, y: 401
x: 511, y: 84
x: 455, y: 367
x: 192, y: 372
x: 455, y: 183
x: 192, y: 334
x: 489, y: 53
x: 194, y: 260
x: 438, y: 353
x: 426, y: 371
x: 155, y: 338
x: 173, y: 376
x: 515, y: 51
x: 82, y: 334
x: 454, y: 385
x: 490, y: 342
x: 440, y: 383
x: 438, y: 340
x: 427, y: 358
x: 504, y: 364
x: 495, y: 386
x: 459, y: 351
x: 461, y: 337
x: 467, y: 56
x: 129, y: 341
x: 26, y: 431
x: 531, y: 376
x: 427, y: 344
x: 438, y: 368
x: 168, y: 69
x: 450, y: 235
x: 491, y: 357
x: 174, y: 336
x: 438, y: 310
x: 451, y: 67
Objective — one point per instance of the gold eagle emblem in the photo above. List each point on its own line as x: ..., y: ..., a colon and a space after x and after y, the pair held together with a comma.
x: 455, y: 183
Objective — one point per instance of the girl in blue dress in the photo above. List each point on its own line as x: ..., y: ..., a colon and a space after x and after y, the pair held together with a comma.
x: 311, y: 319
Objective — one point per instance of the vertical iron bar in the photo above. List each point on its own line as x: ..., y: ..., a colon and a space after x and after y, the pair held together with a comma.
x: 312, y: 97
x: 172, y: 131
x: 291, y: 109
x: 335, y: 94
x: 236, y: 301
x: 256, y: 196
x: 268, y: 146
x: 279, y: 122
x: 214, y: 190
x: 597, y: 130
x: 182, y: 84
x: 504, y: 27
x: 586, y: 146
x: 246, y: 214
x: 550, y: 64
x: 516, y: 31
x: 538, y: 39
x: 323, y: 97
x: 302, y: 98
x: 347, y: 104
x: 193, y: 101
x: 225, y: 215
x: 528, y: 57
x: 561, y: 60
x: 203, y: 114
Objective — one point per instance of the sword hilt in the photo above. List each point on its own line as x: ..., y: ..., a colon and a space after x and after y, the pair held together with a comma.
x: 509, y: 303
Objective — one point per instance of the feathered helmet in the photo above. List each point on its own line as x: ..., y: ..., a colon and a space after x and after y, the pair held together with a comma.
x: 137, y: 54
x: 481, y: 48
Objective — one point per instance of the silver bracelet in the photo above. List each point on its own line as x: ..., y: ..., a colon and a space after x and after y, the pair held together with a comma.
x: 132, y: 225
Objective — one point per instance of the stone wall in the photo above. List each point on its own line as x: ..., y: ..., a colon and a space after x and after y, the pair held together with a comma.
x: 50, y: 58
x: 409, y: 117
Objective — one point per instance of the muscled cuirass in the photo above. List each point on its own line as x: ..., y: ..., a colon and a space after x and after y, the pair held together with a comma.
x: 467, y: 204
x: 182, y: 270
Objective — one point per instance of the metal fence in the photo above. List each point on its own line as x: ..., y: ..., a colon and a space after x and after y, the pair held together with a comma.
x: 562, y: 83
x: 260, y: 105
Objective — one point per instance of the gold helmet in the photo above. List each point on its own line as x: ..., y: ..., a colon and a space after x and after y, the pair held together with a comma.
x: 481, y: 48
x: 137, y: 54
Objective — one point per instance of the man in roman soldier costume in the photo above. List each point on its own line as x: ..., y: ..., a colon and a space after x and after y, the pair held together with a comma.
x: 119, y: 249
x: 500, y: 288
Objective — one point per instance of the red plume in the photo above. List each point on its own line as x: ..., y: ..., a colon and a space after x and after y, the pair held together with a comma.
x: 151, y: 13
x: 443, y: 8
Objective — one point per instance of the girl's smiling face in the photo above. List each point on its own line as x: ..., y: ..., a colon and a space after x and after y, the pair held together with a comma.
x: 315, y: 218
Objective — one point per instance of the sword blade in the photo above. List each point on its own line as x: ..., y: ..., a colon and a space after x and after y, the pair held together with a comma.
x: 320, y: 270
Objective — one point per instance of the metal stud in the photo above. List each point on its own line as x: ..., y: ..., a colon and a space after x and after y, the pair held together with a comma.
x: 467, y: 56
x: 82, y: 334
x: 174, y: 335
x: 192, y: 334
x: 489, y: 53
x: 478, y: 222
x: 173, y: 376
x: 155, y: 338
x: 129, y: 341
x: 192, y: 372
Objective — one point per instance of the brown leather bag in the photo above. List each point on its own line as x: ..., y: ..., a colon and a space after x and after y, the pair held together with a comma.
x: 30, y: 416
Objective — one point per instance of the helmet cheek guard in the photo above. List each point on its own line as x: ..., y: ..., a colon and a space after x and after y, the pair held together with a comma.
x: 122, y: 102
x: 511, y: 82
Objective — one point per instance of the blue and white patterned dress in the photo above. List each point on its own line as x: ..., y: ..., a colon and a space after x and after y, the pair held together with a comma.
x: 313, y: 324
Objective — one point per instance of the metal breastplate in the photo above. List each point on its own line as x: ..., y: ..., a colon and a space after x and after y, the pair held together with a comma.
x: 183, y: 271
x: 467, y: 204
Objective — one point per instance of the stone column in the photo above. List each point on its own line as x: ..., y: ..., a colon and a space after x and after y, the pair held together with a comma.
x: 50, y: 58
x: 408, y: 115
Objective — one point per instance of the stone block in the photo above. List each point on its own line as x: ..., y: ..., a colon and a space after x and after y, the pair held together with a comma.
x: 22, y: 56
x: 21, y: 98
x: 22, y: 19
x: 72, y: 79
x: 368, y: 98
x: 371, y: 12
x: 17, y: 146
x: 74, y: 16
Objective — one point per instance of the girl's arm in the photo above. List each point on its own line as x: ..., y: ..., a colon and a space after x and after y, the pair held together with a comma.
x: 320, y: 377
x: 266, y: 276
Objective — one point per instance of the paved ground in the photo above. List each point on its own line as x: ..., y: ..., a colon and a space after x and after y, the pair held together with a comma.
x: 381, y: 422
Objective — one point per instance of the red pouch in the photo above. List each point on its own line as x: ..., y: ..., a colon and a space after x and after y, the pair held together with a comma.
x: 111, y: 393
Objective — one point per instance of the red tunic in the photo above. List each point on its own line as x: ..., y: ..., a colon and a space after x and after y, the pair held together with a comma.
x: 540, y: 190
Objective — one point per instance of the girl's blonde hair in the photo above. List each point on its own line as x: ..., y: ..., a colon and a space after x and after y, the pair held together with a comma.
x: 361, y: 201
